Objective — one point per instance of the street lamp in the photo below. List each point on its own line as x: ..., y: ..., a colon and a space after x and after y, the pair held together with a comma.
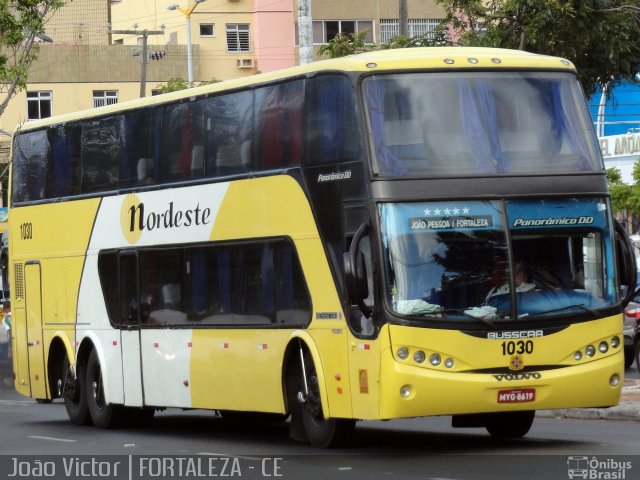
x: 187, y: 14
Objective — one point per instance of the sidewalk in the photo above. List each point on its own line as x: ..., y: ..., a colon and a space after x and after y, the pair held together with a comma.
x: 628, y: 408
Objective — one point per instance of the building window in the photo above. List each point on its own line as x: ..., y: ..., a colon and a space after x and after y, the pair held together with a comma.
x: 207, y: 30
x: 238, y: 37
x: 325, y: 30
x: 390, y: 28
x: 38, y: 105
x: 104, y: 97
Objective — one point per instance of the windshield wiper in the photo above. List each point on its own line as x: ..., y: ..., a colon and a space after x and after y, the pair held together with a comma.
x: 559, y: 309
x: 484, y: 320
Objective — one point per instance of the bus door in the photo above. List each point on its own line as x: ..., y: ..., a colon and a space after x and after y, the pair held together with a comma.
x: 130, y: 330
x: 35, y: 344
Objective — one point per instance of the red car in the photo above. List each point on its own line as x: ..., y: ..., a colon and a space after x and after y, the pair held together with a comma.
x: 631, y: 319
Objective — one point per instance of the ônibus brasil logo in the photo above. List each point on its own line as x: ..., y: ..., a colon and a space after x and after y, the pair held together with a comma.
x: 136, y: 217
x: 596, y: 468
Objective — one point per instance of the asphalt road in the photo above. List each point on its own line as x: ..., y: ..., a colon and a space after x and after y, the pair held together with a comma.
x: 401, y: 449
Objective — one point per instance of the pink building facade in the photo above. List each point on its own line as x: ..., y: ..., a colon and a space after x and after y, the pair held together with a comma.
x: 274, y: 35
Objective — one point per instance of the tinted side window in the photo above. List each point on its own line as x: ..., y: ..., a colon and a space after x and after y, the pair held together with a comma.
x: 64, y: 160
x: 241, y: 284
x: 162, y: 287
x: 232, y: 133
x: 30, y: 151
x: 279, y: 125
x: 129, y: 298
x: 332, y: 132
x: 101, y: 151
x: 140, y: 164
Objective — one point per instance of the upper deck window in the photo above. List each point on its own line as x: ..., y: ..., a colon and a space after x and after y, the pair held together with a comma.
x: 430, y: 124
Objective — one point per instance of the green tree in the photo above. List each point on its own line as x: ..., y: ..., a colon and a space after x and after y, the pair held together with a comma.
x: 601, y: 37
x: 621, y: 193
x: 22, y: 22
x: 178, y: 83
x: 344, y: 44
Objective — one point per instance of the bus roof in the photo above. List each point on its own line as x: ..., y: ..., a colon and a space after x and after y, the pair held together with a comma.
x: 426, y: 58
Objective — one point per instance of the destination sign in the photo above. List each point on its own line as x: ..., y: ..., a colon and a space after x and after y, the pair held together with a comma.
x: 446, y: 223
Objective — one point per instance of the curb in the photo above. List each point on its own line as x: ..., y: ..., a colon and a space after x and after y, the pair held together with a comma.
x: 628, y: 409
x: 620, y: 412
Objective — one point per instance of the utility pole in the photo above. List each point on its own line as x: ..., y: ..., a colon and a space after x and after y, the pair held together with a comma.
x: 144, y: 56
x: 305, y: 32
x: 404, y: 19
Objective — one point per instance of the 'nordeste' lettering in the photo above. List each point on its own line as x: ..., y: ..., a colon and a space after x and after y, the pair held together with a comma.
x: 169, y: 218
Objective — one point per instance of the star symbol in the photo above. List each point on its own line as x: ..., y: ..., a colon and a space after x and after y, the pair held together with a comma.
x: 456, y: 211
x: 447, y: 212
x: 427, y: 211
x: 465, y: 210
x: 437, y: 211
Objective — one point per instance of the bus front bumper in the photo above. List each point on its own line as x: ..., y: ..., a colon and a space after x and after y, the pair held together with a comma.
x: 411, y: 391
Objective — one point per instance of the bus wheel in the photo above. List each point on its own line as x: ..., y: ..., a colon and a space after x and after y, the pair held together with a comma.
x: 103, y: 415
x: 510, y: 424
x: 74, y: 395
x: 331, y: 433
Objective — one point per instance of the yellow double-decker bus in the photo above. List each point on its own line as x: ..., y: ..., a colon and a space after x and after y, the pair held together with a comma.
x: 394, y: 234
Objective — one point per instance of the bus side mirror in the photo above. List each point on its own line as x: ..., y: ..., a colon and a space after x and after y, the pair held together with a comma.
x: 626, y: 263
x: 355, y: 272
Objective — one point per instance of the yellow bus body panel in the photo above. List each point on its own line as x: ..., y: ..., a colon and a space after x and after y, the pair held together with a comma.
x: 68, y: 226
x: 259, y: 208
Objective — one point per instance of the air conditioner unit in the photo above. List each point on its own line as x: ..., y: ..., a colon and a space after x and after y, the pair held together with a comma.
x: 244, y: 62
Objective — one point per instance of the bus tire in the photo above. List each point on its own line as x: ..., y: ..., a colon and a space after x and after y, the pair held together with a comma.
x: 103, y: 415
x: 321, y: 432
x: 74, y: 395
x: 510, y: 424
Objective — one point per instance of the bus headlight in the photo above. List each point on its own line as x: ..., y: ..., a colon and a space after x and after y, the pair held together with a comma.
x: 603, y: 347
x: 448, y: 362
x: 403, y: 353
x: 577, y: 356
x: 435, y: 359
x: 419, y: 356
x: 590, y: 350
x: 614, y: 380
x: 615, y: 342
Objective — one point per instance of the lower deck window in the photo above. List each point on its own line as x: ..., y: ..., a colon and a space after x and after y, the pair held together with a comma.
x: 257, y: 283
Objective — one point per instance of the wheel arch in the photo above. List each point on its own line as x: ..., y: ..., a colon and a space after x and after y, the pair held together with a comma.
x: 59, y: 348
x: 291, y: 354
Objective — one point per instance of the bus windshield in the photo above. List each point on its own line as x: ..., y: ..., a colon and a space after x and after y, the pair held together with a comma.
x: 452, y: 259
x: 470, y: 123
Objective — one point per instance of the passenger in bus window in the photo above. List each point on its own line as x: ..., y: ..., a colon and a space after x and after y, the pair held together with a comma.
x: 145, y: 171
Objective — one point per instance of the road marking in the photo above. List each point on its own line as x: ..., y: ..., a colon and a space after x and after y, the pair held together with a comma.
x: 230, y: 456
x: 16, y: 402
x: 344, y: 468
x: 53, y: 439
